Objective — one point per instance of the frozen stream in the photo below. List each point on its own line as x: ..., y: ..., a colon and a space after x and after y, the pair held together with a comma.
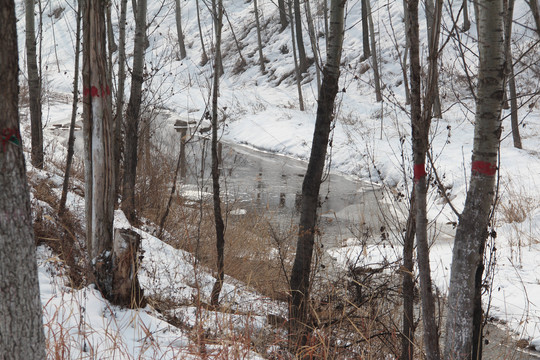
x: 255, y: 180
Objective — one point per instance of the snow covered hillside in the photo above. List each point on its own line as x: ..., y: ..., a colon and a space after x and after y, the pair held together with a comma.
x: 370, y: 141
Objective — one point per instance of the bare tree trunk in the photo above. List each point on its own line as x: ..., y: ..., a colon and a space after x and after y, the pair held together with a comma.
x: 282, y: 14
x: 299, y: 38
x: 237, y: 43
x: 296, y: 67
x: 313, y: 41
x: 509, y: 71
x: 325, y: 19
x: 430, y: 20
x: 34, y: 88
x: 179, y: 30
x: 204, y: 56
x: 119, y: 119
x: 406, y: 54
x: 421, y: 121
x: 533, y: 5
x: 374, y: 59
x: 259, y: 41
x: 218, y: 219
x: 214, y: 12
x: 110, y: 32
x: 71, y: 139
x: 298, y: 309
x: 180, y: 166
x: 132, y: 116
x: 365, y: 30
x: 21, y: 325
x: 99, y: 127
x: 408, y: 327
x: 472, y: 231
x: 126, y: 290
x: 466, y: 21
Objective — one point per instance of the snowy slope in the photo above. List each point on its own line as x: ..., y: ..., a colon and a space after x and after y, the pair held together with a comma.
x: 370, y: 140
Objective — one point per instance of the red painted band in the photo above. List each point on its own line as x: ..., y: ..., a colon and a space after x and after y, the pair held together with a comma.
x: 94, y: 91
x: 419, y: 171
x: 484, y: 168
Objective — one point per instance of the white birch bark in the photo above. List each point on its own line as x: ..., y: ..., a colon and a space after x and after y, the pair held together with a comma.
x: 472, y: 229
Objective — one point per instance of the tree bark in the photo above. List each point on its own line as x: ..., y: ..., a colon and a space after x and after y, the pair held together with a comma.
x: 34, y: 88
x: 259, y: 41
x: 21, y: 328
x: 296, y: 66
x: 374, y: 59
x: 119, y: 119
x: 472, y: 231
x: 325, y: 19
x: 430, y: 20
x: 406, y: 54
x: 466, y: 21
x: 282, y: 14
x: 509, y: 72
x: 298, y: 309
x: 99, y: 157
x: 71, y: 139
x: 126, y: 290
x: 132, y: 116
x: 110, y: 32
x: 533, y: 5
x: 365, y: 30
x: 421, y: 121
x: 313, y: 41
x: 299, y: 38
x: 204, y: 56
x: 408, y: 327
x: 218, y: 219
x: 179, y: 30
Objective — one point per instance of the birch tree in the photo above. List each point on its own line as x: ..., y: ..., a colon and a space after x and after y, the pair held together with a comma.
x: 21, y: 328
x: 299, y: 281
x: 472, y: 230
x: 34, y: 87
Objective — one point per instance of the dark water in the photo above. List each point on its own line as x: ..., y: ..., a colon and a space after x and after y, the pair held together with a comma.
x: 254, y: 180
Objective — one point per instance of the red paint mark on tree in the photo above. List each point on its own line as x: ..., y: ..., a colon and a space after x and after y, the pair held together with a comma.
x: 9, y: 135
x: 94, y: 91
x: 419, y: 171
x: 484, y: 168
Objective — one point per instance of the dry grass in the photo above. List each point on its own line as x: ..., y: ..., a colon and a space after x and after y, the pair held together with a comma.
x: 515, y: 208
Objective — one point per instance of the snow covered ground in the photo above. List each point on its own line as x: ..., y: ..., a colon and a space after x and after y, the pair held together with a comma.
x: 370, y: 141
